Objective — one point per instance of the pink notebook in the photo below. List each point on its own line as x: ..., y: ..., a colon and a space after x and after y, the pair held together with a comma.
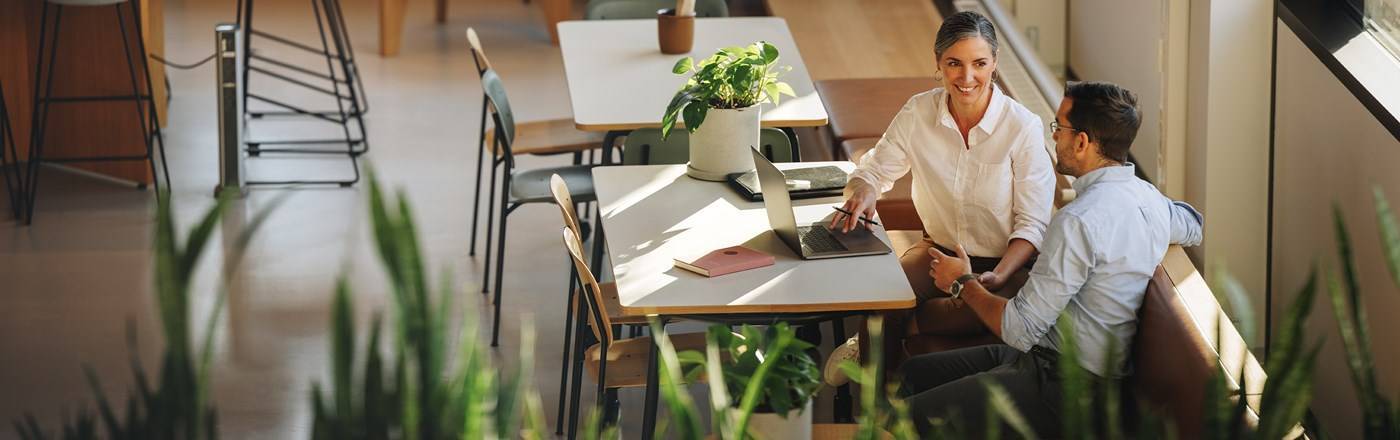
x: 726, y: 261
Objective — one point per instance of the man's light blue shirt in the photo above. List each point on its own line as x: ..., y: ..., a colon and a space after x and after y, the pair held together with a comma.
x: 1098, y: 254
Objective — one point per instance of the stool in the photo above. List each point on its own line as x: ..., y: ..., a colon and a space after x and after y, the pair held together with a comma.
x: 896, y: 207
x: 861, y: 108
x: 339, y: 80
x: 43, y: 94
x: 9, y: 158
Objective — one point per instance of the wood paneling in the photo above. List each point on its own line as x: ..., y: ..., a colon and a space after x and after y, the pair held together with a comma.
x: 90, y: 61
x: 862, y: 39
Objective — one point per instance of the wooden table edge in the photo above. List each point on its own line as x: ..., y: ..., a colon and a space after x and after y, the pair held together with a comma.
x: 581, y: 126
x: 870, y: 306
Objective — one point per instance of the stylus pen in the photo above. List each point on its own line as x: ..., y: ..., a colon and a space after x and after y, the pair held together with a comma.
x: 862, y: 218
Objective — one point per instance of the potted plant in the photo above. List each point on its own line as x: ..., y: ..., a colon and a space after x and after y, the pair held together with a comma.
x: 769, y: 374
x: 720, y: 106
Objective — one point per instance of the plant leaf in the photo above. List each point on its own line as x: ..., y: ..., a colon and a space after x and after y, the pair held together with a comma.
x: 683, y: 65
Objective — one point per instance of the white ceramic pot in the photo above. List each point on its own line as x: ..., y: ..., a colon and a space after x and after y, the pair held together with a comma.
x: 796, y: 425
x: 720, y: 146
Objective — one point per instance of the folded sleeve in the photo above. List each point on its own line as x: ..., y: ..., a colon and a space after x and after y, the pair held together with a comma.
x: 889, y: 160
x: 1062, y: 269
x: 1033, y: 185
x: 1186, y: 224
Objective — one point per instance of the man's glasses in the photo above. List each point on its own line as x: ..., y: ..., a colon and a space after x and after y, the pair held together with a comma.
x: 1055, y: 126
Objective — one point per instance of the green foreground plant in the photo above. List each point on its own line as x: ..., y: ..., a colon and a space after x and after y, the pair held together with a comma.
x: 733, y: 78
x: 178, y: 406
x: 418, y: 394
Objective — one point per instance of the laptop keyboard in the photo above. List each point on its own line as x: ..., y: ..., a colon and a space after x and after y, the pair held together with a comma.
x: 818, y: 239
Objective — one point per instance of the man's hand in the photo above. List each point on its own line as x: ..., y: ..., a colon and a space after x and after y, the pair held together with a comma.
x: 860, y: 201
x: 992, y: 281
x: 945, y: 269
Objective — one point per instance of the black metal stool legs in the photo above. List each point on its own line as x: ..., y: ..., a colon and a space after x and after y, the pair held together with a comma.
x: 144, y: 101
x: 9, y: 158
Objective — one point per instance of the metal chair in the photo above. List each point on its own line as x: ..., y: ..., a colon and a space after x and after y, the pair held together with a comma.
x: 546, y: 137
x: 644, y: 146
x: 611, y: 303
x: 518, y: 187
x: 629, y: 360
x: 43, y: 94
x: 629, y: 9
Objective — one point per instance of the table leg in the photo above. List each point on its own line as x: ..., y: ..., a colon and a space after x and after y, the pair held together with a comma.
x: 440, y: 13
x: 555, y: 11
x: 653, y: 385
x: 391, y: 14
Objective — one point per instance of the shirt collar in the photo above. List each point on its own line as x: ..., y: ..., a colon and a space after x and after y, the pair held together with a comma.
x: 995, y: 109
x: 1105, y: 174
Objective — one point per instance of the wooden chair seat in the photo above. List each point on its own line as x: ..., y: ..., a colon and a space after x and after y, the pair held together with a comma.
x: 627, y: 358
x: 552, y: 136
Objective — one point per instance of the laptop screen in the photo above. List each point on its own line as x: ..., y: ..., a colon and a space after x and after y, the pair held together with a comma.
x: 777, y: 201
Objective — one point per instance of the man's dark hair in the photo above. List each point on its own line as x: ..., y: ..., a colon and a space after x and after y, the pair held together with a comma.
x: 1108, y: 114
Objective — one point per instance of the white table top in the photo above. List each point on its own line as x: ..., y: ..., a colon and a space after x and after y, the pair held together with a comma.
x: 653, y: 214
x: 619, y: 79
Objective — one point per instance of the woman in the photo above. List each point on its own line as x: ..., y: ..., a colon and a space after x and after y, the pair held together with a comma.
x: 982, y: 180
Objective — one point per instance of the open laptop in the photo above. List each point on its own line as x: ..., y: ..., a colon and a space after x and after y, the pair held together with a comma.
x: 812, y: 241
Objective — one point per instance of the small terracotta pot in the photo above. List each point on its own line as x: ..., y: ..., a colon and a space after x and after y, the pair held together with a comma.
x: 675, y: 34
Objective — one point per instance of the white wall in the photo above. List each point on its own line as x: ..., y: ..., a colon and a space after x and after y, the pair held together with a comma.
x: 1227, y: 135
x: 1119, y: 41
x: 1329, y: 149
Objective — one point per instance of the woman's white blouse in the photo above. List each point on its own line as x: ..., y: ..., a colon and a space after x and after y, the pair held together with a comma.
x: 999, y: 186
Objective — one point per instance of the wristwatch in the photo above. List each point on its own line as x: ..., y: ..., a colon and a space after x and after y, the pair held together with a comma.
x: 957, y: 287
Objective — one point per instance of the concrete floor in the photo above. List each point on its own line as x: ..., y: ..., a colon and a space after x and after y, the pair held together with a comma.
x: 71, y: 282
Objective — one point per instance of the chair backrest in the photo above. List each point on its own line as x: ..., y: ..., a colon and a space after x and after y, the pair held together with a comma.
x: 593, y: 295
x: 565, y: 200
x: 478, y: 55
x: 500, y: 111
x: 644, y: 146
x: 628, y: 9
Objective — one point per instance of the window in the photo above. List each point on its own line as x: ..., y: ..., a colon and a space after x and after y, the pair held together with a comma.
x: 1382, y: 19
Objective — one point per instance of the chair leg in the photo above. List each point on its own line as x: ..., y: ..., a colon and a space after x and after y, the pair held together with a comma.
x: 568, y: 333
x: 602, y: 396
x: 649, y: 410
x: 581, y: 340
x: 480, y: 160
x: 500, y: 263
x: 490, y: 219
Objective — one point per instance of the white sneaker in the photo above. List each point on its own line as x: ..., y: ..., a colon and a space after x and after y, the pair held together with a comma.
x: 831, y: 372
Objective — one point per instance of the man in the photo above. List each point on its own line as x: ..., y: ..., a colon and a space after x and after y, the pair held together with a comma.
x: 1098, y: 254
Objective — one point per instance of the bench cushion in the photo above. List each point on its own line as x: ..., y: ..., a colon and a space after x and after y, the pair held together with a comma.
x: 858, y: 108
x: 1172, y: 362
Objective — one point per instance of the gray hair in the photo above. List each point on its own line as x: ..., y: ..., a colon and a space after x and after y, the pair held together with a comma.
x: 961, y: 26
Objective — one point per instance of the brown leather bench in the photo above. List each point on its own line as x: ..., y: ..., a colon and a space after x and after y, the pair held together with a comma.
x: 896, y: 207
x: 864, y: 107
x: 1173, y: 354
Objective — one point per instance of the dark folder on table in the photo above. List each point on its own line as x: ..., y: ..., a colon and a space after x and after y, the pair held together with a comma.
x: 802, y: 183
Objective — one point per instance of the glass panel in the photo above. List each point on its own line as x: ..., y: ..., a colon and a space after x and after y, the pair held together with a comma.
x: 1382, y: 18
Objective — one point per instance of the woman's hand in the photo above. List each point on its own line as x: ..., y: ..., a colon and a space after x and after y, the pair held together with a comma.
x: 860, y: 201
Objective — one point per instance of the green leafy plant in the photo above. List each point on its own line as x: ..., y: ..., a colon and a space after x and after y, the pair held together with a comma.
x: 734, y: 77
x: 418, y: 394
x: 790, y: 382
x: 178, y: 406
x: 1380, y: 417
